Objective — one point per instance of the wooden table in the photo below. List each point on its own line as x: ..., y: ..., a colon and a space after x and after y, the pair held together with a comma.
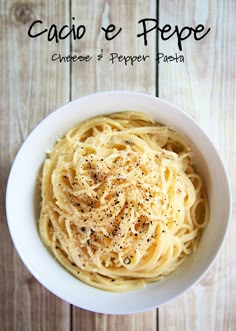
x: 33, y: 85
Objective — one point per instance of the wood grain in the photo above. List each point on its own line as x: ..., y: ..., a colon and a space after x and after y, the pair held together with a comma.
x: 103, y: 75
x: 204, y: 86
x: 31, y: 87
x: 85, y: 320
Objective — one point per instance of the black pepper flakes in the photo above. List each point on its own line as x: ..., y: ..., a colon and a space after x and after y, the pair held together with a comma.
x: 127, y: 260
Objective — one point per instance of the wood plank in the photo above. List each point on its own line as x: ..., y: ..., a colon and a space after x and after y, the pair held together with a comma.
x: 31, y: 87
x: 86, y: 320
x: 103, y: 75
x: 204, y: 86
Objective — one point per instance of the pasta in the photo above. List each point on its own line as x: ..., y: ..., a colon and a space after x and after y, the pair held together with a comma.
x: 122, y: 205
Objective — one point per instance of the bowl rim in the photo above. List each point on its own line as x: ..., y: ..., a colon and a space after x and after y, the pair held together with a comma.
x: 61, y: 110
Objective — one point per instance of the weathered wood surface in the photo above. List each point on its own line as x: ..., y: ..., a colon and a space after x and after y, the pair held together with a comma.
x: 103, y: 75
x: 205, y: 87
x: 32, y: 86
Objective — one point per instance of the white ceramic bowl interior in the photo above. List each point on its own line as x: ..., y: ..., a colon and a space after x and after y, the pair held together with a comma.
x: 22, y: 204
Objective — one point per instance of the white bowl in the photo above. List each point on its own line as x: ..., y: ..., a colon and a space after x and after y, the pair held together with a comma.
x: 22, y: 205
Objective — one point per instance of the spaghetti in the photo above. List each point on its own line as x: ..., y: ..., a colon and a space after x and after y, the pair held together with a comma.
x: 121, y: 203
